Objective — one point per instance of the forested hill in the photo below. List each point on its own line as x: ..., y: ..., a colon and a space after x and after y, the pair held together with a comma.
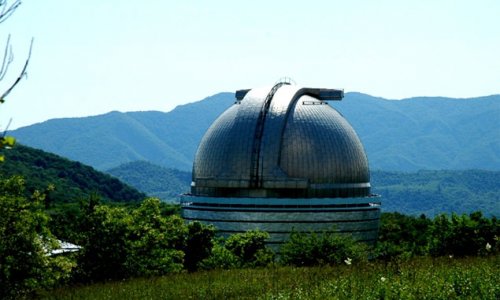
x: 164, y: 183
x: 436, y: 192
x: 431, y: 133
x: 72, y: 181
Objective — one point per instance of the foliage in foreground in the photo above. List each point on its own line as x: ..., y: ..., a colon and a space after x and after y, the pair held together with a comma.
x: 25, y: 242
x: 456, y: 235
x: 322, y: 249
x: 418, y: 278
x: 243, y: 250
x: 121, y: 242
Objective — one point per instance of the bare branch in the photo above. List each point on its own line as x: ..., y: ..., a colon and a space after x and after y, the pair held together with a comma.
x: 7, y: 9
x: 23, y: 73
x: 8, y: 57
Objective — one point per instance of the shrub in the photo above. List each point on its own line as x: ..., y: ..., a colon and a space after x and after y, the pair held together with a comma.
x: 240, y: 250
x: 154, y: 242
x: 310, y: 249
x: 120, y: 243
x: 464, y: 235
x: 220, y: 258
x: 250, y: 248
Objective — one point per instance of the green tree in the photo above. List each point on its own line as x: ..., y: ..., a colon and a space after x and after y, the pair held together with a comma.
x: 155, y: 242
x: 199, y: 244
x: 310, y: 249
x: 403, y: 236
x: 26, y: 243
x: 250, y: 248
x: 104, y: 242
x: 464, y: 235
x: 241, y: 250
x: 121, y: 242
x: 220, y: 257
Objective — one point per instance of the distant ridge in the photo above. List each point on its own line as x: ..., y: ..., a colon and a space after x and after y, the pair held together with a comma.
x: 109, y: 140
x: 399, y: 135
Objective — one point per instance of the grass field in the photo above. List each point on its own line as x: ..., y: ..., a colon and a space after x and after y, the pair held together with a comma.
x: 420, y: 278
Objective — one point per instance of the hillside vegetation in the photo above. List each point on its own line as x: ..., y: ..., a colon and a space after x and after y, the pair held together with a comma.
x: 63, y: 180
x: 164, y: 183
x: 407, y: 135
x: 435, y: 192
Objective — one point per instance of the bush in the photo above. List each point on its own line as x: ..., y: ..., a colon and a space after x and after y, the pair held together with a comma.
x: 220, y: 258
x: 311, y: 249
x: 464, y: 235
x: 240, y: 250
x: 154, y: 242
x: 105, y: 232
x: 402, y: 236
x: 120, y: 243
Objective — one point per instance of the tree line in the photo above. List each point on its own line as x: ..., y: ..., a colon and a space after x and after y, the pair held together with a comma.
x: 150, y: 239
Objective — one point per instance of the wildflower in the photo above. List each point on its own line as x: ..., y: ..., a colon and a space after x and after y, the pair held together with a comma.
x: 348, y: 261
x: 451, y: 256
x: 488, y: 247
x: 383, y: 279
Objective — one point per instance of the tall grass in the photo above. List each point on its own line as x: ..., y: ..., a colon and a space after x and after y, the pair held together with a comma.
x: 420, y: 278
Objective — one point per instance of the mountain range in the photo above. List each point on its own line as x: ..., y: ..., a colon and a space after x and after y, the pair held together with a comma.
x: 398, y: 135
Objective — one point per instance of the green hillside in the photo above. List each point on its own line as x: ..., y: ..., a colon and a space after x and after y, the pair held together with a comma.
x: 166, y: 184
x: 408, y: 135
x: 435, y: 192
x: 72, y: 181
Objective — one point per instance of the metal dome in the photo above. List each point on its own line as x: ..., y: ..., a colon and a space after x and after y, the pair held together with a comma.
x: 281, y: 159
x: 283, y: 141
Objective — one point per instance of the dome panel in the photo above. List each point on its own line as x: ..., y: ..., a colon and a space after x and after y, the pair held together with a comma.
x: 320, y: 145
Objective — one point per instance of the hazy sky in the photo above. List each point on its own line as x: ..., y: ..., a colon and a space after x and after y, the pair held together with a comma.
x: 91, y: 57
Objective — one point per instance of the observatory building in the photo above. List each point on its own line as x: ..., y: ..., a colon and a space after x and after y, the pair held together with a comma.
x: 282, y: 159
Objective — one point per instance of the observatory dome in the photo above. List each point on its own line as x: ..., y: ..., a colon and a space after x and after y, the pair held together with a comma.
x: 282, y: 159
x: 295, y: 146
